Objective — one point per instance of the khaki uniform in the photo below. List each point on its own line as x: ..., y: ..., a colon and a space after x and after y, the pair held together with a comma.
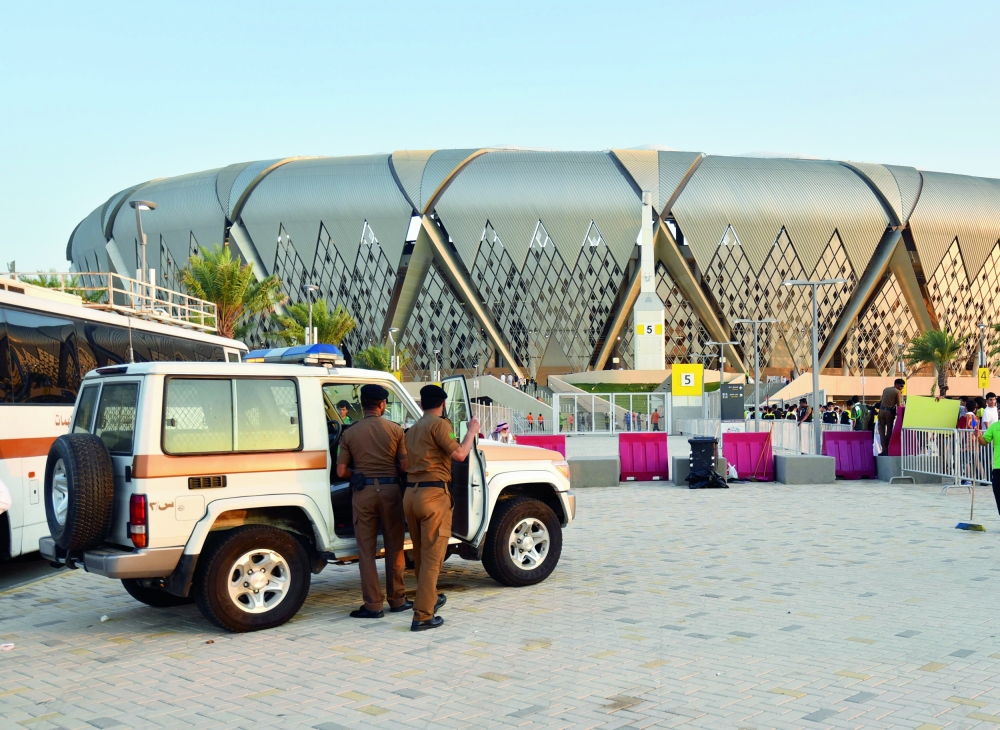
x: 891, y: 400
x: 375, y: 444
x: 429, y: 446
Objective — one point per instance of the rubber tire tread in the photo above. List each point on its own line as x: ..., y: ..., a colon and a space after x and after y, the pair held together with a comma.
x: 91, y: 489
x: 155, y: 597
x: 209, y: 587
x: 495, y: 559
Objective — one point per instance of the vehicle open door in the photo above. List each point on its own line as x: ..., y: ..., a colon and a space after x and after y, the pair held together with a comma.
x: 468, y: 480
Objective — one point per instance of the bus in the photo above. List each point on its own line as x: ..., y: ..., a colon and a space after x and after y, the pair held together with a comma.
x: 49, y: 339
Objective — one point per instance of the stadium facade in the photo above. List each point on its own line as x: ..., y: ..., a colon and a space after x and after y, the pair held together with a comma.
x: 530, y: 258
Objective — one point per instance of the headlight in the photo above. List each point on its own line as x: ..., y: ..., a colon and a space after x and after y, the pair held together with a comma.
x: 563, y: 467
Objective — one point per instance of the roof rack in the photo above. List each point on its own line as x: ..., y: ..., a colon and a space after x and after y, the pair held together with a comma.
x: 318, y: 354
x: 131, y: 297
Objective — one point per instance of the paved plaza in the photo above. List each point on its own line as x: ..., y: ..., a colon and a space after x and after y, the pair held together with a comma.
x: 762, y: 606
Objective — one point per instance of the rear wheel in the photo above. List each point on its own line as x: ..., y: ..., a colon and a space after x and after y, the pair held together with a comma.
x: 79, y: 491
x: 524, y: 542
x: 254, y: 577
x: 152, y: 595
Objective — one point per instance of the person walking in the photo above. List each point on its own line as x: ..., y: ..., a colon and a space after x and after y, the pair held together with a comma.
x: 654, y: 418
x: 371, y: 453
x: 531, y: 422
x: 541, y: 422
x: 892, y: 398
x: 431, y: 446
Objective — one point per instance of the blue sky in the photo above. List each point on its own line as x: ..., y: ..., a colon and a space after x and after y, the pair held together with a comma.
x: 95, y: 97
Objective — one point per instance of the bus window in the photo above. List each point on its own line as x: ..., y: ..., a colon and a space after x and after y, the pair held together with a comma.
x: 151, y: 347
x: 101, y: 345
x: 44, y: 364
x: 233, y: 356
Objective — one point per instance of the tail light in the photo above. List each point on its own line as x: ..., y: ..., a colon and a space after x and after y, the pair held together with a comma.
x: 138, y: 520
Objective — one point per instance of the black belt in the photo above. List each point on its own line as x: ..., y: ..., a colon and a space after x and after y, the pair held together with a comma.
x: 887, y: 409
x: 381, y: 480
x: 430, y: 484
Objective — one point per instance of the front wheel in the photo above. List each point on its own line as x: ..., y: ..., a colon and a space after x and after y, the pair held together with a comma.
x: 255, y: 577
x: 153, y: 596
x: 523, y: 544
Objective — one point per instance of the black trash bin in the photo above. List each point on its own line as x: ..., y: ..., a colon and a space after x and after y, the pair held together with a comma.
x: 704, y: 453
x: 704, y: 456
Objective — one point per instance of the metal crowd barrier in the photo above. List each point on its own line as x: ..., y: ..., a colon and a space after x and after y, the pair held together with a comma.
x: 951, y: 453
x: 786, y: 436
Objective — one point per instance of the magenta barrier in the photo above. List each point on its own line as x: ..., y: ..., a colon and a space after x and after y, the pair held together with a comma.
x: 896, y: 437
x: 555, y: 442
x: 852, y: 453
x: 751, y: 453
x: 643, y: 456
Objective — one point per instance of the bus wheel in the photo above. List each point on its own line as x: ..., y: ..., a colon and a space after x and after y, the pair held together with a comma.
x: 79, y: 491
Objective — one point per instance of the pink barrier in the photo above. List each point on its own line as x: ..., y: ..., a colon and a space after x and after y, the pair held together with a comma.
x: 896, y: 438
x: 852, y: 453
x: 555, y: 442
x: 643, y: 456
x: 751, y: 454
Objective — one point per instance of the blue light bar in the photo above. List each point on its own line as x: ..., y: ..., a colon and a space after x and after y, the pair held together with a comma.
x: 299, y: 355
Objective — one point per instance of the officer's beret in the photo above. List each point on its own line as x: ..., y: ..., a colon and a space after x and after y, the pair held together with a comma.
x: 433, y: 393
x: 372, y: 392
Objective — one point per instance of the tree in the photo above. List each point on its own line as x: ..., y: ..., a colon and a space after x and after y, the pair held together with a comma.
x: 379, y: 357
x: 71, y: 285
x: 219, y: 278
x: 331, y: 327
x: 938, y: 348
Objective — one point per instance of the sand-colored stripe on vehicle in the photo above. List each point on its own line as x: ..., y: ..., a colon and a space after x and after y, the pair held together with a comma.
x: 154, y: 466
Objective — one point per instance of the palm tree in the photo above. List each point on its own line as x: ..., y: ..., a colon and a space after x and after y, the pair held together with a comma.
x: 331, y: 327
x: 219, y: 278
x: 379, y: 357
x: 938, y: 348
x: 70, y: 286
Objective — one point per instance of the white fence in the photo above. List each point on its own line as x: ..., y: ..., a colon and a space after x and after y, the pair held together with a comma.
x: 609, y: 412
x: 786, y: 436
x: 952, y: 453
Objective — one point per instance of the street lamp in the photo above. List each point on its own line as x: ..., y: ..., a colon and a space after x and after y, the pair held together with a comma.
x: 817, y: 433
x: 310, y: 290
x: 436, y: 375
x: 395, y: 368
x: 756, y: 367
x: 139, y: 206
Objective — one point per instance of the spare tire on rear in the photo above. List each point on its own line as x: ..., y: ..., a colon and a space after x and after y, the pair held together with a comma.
x: 79, y: 491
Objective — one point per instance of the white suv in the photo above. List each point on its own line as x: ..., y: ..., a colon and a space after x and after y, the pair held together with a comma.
x: 214, y: 483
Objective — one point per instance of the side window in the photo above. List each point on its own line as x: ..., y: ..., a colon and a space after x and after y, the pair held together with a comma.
x: 198, y: 416
x: 44, y: 366
x: 115, y: 424
x: 343, y: 403
x: 101, y: 345
x: 267, y: 415
x: 84, y: 421
x: 4, y: 362
x: 232, y: 357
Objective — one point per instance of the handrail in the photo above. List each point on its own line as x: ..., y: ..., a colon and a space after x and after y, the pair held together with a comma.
x: 131, y: 297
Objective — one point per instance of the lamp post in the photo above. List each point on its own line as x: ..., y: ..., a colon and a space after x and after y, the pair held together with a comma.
x: 436, y: 375
x: 982, y: 349
x: 393, y: 364
x: 756, y: 367
x: 138, y: 206
x: 863, y: 361
x: 815, y: 285
x: 310, y: 290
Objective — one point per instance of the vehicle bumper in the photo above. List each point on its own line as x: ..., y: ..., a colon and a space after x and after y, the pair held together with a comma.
x: 569, y: 505
x: 113, y: 562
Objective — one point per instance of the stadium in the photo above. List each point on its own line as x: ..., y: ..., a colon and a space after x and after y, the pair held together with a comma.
x: 529, y: 260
